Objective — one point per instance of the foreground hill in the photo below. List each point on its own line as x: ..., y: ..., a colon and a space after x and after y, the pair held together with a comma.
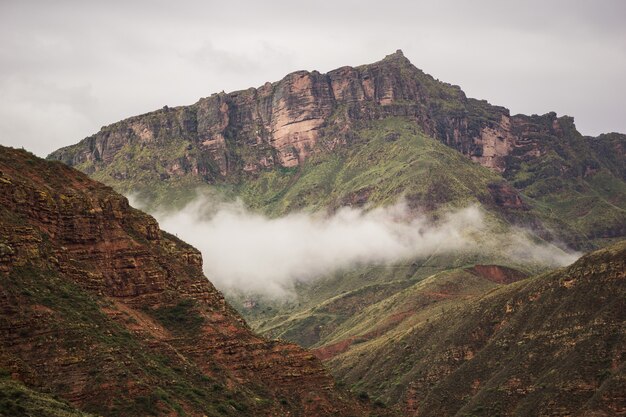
x: 101, y: 309
x: 259, y: 144
x: 550, y: 345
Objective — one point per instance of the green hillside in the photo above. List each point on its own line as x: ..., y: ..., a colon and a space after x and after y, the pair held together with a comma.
x: 458, y: 345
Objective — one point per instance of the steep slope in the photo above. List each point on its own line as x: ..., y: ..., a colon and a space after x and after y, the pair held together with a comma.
x: 100, y: 307
x: 554, y: 344
x: 232, y: 140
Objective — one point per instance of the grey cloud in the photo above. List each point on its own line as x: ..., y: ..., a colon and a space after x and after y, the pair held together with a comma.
x: 247, y: 252
x: 209, y: 57
x: 533, y: 56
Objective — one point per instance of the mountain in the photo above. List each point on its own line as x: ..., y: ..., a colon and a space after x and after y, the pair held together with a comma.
x: 369, y: 136
x: 102, y: 312
x: 550, y: 345
x: 285, y: 145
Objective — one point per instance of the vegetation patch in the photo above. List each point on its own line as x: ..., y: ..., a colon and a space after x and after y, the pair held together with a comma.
x: 182, y: 317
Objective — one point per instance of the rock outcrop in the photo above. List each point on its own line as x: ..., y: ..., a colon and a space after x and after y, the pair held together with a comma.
x: 282, y: 123
x: 100, y: 307
x: 238, y: 137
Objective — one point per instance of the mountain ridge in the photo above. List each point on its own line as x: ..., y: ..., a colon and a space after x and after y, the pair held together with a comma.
x: 549, y: 345
x: 100, y: 307
x: 228, y: 140
x: 341, y: 87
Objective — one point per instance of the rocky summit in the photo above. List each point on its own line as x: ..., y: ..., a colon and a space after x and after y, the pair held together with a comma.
x: 284, y: 121
x: 102, y: 312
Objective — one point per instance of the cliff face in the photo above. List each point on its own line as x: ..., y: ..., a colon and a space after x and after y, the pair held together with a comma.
x: 281, y: 124
x: 102, y: 308
x: 577, y: 183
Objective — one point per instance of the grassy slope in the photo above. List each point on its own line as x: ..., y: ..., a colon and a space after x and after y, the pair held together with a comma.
x: 388, y: 159
x: 548, y: 343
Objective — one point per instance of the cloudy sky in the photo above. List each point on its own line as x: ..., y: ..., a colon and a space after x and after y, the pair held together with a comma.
x: 69, y: 67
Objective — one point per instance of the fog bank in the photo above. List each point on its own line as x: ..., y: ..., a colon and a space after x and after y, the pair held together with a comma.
x: 250, y: 252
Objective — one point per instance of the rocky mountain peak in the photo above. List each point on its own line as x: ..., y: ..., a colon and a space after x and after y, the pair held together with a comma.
x: 396, y: 56
x: 279, y: 124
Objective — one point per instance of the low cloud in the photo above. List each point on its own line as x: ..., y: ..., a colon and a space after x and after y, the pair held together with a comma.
x: 248, y: 252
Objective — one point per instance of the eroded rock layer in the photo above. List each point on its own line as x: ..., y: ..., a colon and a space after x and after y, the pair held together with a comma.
x: 103, y: 309
x: 282, y: 123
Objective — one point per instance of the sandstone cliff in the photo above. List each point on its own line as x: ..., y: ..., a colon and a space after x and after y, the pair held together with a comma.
x: 284, y: 121
x: 101, y: 308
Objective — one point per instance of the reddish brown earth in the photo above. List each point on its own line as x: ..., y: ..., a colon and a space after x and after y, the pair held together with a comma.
x: 497, y: 273
x: 103, y: 309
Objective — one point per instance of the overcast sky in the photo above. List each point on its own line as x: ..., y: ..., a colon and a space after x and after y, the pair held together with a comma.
x: 69, y: 67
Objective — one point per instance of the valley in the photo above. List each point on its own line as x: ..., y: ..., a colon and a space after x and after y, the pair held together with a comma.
x: 495, y: 312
